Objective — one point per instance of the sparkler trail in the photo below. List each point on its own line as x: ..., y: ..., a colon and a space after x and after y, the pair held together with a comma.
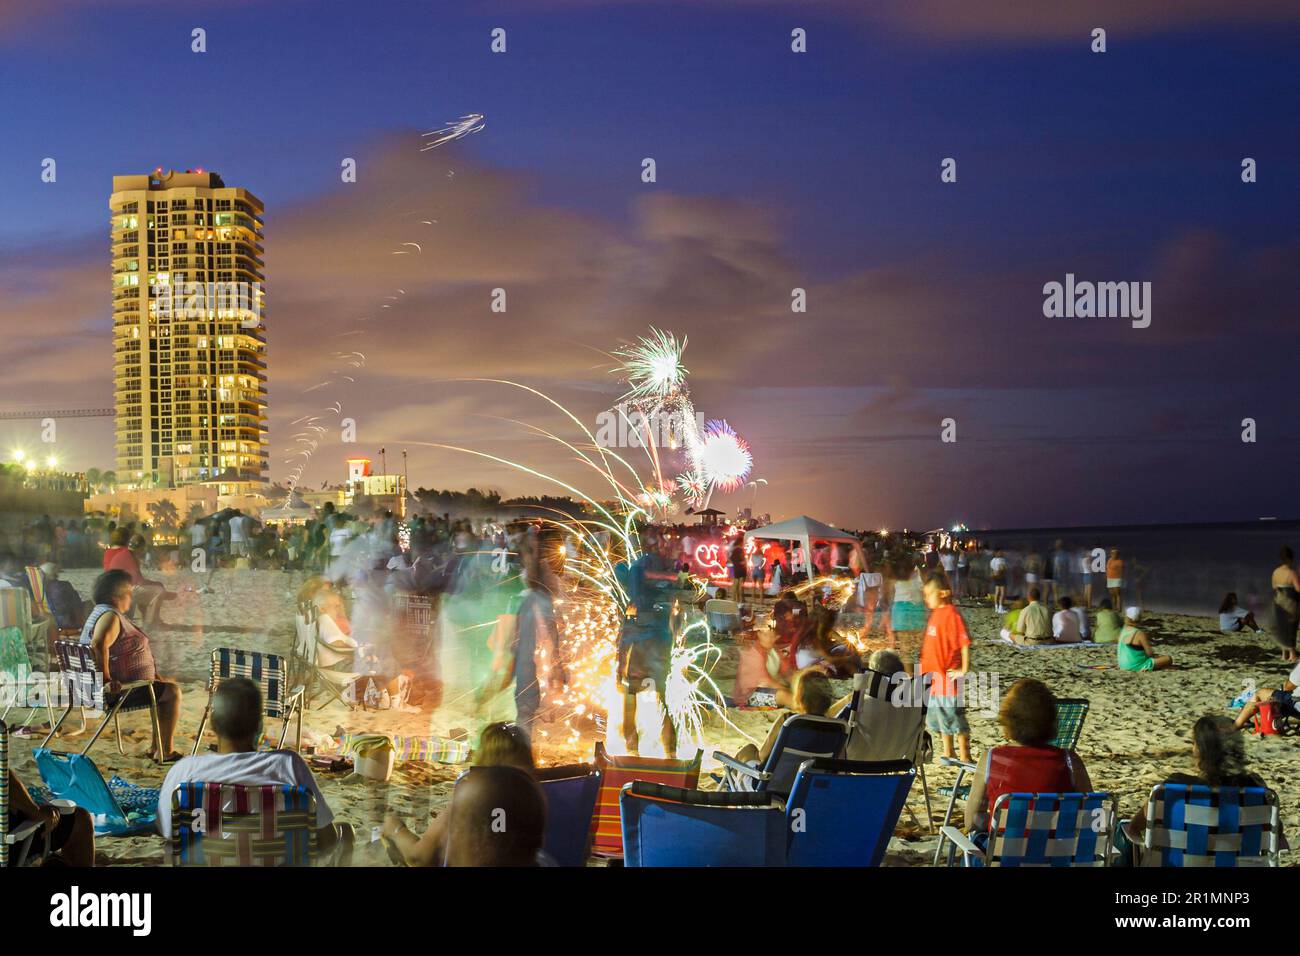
x: 459, y: 129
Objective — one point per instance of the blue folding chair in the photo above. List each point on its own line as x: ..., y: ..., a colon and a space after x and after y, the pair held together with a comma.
x: 116, y: 807
x: 571, y: 793
x: 1070, y: 714
x: 843, y: 812
x: 670, y: 826
x: 802, y: 737
x: 1044, y: 829
x: 1197, y: 825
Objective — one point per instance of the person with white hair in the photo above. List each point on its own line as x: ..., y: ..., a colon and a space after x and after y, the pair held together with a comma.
x: 1134, y: 649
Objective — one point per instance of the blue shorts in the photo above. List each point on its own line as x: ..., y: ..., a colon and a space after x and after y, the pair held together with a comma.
x: 946, y: 716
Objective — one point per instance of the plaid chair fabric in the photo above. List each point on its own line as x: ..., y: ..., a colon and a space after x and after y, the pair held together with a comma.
x: 81, y: 676
x: 1197, y: 825
x: 1070, y: 714
x: 267, y: 671
x: 216, y: 824
x: 36, y: 581
x: 1052, y: 829
x: 16, y: 608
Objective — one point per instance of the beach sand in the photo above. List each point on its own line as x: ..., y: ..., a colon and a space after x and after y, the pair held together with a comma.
x: 1137, y: 732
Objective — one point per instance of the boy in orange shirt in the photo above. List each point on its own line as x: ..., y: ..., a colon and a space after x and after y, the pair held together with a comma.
x: 945, y: 658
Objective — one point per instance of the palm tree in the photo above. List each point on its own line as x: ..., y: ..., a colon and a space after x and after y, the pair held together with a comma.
x: 164, y: 514
x: 109, y: 478
x: 93, y: 478
x: 194, y: 514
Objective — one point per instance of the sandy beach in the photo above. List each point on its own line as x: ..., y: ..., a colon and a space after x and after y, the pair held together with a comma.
x: 1137, y: 732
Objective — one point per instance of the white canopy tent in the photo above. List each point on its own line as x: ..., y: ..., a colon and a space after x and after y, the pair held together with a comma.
x: 805, y: 532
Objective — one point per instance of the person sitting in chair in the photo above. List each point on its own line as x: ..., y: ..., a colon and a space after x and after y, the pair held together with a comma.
x: 124, y: 656
x: 811, y: 693
x: 484, y: 797
x: 237, y: 722
x: 71, y: 834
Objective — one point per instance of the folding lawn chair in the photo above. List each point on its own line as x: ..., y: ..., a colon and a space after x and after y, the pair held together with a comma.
x: 673, y: 826
x: 886, y: 724
x: 723, y: 615
x: 81, y: 679
x: 221, y: 824
x: 571, y: 793
x: 118, y: 808
x: 268, y: 672
x: 843, y: 812
x: 1044, y: 829
x: 1196, y: 825
x: 802, y: 737
x: 1070, y: 714
x: 615, y: 771
x: 21, y: 838
x: 316, y: 664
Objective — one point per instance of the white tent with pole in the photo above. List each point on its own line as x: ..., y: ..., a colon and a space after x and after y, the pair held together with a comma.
x: 804, y: 532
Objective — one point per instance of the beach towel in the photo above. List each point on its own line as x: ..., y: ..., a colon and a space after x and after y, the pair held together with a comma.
x: 1052, y: 646
x: 13, y: 651
x: 607, y: 822
x: 414, y: 749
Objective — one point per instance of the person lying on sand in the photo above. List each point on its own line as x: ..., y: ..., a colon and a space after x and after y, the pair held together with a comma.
x: 237, y: 722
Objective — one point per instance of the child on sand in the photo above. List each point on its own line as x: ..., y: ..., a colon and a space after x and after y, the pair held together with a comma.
x: 945, y: 657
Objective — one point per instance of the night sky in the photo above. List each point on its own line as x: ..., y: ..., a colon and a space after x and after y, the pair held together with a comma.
x: 775, y: 170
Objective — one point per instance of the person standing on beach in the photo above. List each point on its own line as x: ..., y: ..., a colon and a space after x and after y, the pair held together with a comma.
x: 1115, y: 578
x: 998, y: 573
x: 1083, y: 561
x: 945, y: 659
x: 1286, y: 604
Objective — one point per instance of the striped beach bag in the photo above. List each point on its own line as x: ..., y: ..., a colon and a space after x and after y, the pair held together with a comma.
x: 606, y: 824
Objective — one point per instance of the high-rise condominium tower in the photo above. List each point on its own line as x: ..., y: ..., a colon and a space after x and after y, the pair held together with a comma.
x: 189, y: 353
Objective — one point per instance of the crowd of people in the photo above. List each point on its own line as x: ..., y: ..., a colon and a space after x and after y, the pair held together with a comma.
x: 798, y: 632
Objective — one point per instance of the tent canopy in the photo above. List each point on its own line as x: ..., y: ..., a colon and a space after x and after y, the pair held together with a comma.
x: 806, y: 531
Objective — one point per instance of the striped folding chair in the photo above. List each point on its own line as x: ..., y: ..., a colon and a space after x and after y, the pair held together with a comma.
x: 82, y: 682
x: 268, y: 672
x: 221, y: 824
x: 1070, y: 713
x: 16, y: 611
x: 1198, y: 825
x: 1044, y: 829
x: 41, y: 603
x: 22, y: 837
x: 618, y: 769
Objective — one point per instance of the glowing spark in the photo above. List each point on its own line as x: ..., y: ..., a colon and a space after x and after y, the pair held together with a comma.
x: 469, y: 123
x: 724, y: 457
x: 653, y: 366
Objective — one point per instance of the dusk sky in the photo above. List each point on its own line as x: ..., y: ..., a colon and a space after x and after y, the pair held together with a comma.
x: 775, y: 170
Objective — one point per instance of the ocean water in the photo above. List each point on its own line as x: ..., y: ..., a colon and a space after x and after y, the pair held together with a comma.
x: 1177, y: 568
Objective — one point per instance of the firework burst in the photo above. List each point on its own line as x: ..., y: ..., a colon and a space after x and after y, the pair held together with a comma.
x: 652, y: 368
x: 724, y: 458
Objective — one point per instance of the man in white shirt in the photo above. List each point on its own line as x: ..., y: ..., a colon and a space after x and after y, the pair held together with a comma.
x: 1065, y: 624
x: 238, y: 535
x: 237, y: 721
